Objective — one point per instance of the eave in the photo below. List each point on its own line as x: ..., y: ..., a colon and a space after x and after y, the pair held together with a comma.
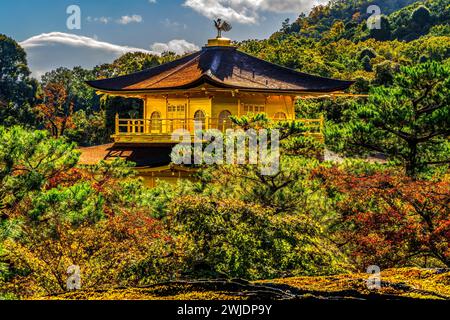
x: 198, y: 87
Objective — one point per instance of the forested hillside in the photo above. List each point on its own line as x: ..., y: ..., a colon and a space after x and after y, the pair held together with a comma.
x: 401, y: 19
x: 334, y: 40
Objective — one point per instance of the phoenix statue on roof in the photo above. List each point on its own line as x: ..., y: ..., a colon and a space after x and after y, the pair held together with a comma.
x: 222, y: 26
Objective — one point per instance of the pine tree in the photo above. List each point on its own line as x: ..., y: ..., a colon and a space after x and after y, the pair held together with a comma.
x: 408, y: 121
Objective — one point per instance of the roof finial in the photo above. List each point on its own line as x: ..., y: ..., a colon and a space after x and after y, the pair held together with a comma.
x: 222, y: 26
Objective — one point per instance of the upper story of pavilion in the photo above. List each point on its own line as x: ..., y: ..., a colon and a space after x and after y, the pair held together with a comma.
x: 210, y: 86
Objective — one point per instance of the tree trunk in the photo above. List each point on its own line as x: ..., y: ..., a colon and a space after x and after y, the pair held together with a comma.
x: 411, y: 165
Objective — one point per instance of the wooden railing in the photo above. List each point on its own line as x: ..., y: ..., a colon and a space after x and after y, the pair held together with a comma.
x: 167, y: 126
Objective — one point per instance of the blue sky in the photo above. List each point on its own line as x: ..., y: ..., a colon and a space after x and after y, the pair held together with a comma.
x: 112, y: 27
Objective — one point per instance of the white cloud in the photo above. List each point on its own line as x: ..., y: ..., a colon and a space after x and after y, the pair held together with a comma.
x: 135, y: 18
x: 177, y: 46
x: 248, y: 11
x: 233, y: 10
x: 289, y: 6
x: 104, y: 20
x: 49, y: 51
x: 152, y: 1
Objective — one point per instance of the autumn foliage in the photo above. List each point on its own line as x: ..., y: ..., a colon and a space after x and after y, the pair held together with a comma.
x: 56, y: 110
x: 105, y: 252
x: 388, y: 219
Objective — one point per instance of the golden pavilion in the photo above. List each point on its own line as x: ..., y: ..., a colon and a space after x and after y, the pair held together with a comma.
x: 207, y: 86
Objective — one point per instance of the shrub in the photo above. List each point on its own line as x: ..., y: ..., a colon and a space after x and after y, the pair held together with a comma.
x: 235, y: 239
x: 105, y: 251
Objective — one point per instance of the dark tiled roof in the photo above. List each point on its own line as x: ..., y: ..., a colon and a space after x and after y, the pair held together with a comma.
x: 223, y: 67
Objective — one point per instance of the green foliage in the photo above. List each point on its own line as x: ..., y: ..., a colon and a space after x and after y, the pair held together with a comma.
x: 440, y: 30
x: 241, y: 240
x: 403, y: 20
x: 409, y: 121
x: 415, y: 20
x: 237, y: 222
x: 81, y: 96
x: 27, y: 160
x: 283, y: 192
x: 17, y: 88
x: 76, y: 205
x: 384, y: 73
x: 128, y: 63
x: 89, y: 129
x: 343, y: 59
x: 352, y: 13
